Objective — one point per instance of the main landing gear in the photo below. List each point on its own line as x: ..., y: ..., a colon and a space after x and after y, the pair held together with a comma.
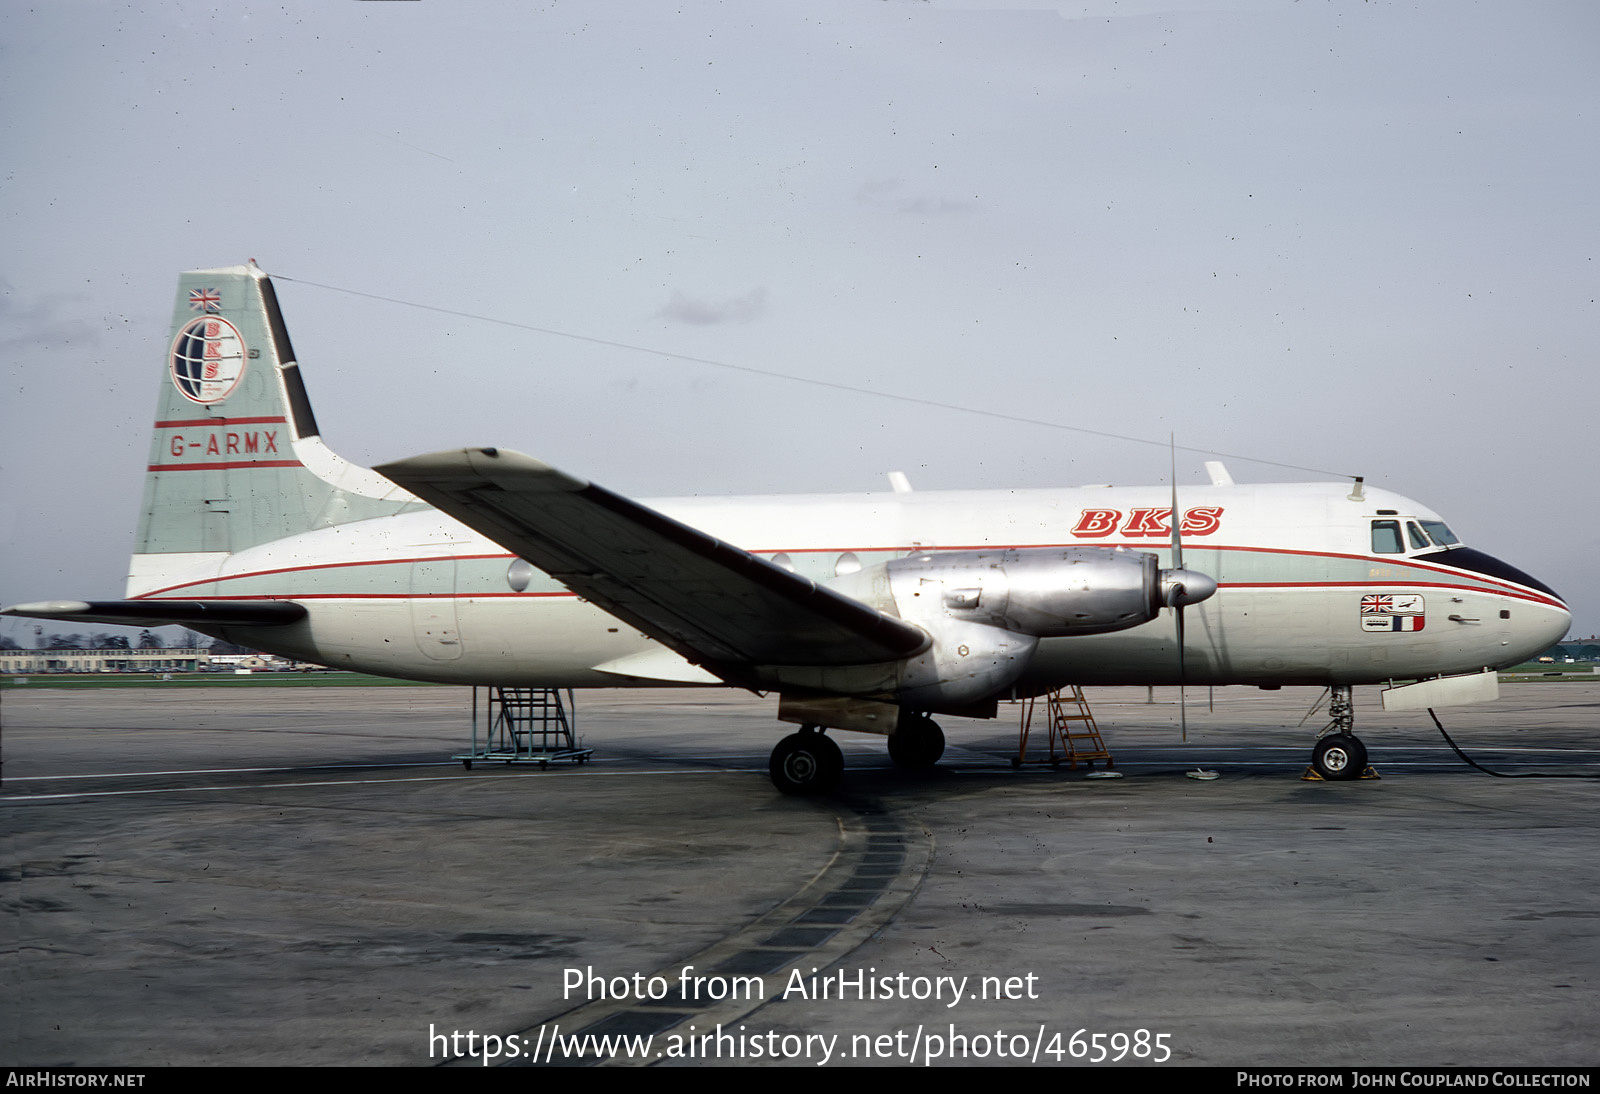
x: 1339, y: 754
x: 917, y: 742
x: 806, y: 763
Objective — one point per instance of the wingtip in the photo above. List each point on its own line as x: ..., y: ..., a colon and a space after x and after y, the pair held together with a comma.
x: 44, y: 609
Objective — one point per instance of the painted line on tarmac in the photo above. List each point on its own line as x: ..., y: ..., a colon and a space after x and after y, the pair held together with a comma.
x: 31, y: 799
x: 972, y: 767
x: 225, y: 771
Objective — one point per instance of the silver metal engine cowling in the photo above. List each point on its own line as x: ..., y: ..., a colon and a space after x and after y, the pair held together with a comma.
x: 967, y: 664
x: 1046, y: 592
x: 985, y: 612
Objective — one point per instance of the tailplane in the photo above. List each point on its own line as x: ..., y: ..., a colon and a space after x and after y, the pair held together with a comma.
x: 237, y: 459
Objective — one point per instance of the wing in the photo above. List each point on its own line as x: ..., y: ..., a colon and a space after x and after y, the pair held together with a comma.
x: 717, y: 605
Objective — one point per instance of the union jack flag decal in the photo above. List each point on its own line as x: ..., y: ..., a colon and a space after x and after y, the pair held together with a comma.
x: 205, y: 300
x: 1393, y: 612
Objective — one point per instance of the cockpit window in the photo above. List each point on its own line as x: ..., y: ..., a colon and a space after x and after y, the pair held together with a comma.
x: 1386, y: 538
x: 1439, y: 532
x: 1419, y: 542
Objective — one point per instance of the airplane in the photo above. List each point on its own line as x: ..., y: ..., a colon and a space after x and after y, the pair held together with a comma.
x: 869, y: 612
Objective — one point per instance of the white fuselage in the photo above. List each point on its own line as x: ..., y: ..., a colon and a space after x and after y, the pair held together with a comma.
x: 1303, y: 595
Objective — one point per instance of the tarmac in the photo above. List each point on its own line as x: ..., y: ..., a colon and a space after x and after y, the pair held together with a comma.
x: 270, y: 876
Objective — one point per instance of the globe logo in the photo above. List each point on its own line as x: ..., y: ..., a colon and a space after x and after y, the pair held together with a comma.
x: 207, y: 359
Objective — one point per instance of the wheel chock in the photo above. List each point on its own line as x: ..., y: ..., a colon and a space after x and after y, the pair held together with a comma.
x: 1311, y: 776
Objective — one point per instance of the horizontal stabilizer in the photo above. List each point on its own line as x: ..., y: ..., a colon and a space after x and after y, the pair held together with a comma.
x: 717, y: 605
x: 162, y: 613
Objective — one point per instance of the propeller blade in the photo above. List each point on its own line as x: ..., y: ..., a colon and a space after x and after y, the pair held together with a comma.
x: 1181, y: 588
x: 1178, y: 594
x: 1177, y: 539
x: 1183, y: 707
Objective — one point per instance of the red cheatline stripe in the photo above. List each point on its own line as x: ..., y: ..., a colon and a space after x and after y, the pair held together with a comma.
x: 219, y: 421
x: 156, y: 593
x: 1393, y: 583
x: 1495, y: 585
x: 222, y: 466
x: 154, y: 598
x: 296, y: 597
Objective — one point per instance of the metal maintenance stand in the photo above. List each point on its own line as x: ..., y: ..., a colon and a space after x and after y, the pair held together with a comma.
x: 1074, y: 736
x: 525, y: 726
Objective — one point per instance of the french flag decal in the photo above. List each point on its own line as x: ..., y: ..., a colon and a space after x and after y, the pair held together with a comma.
x: 1392, y: 622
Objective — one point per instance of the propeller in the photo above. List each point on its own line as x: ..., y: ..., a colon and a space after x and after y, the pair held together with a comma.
x: 1182, y: 587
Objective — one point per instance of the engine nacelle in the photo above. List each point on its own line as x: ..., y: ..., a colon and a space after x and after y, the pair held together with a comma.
x: 1046, y: 592
x: 987, y: 610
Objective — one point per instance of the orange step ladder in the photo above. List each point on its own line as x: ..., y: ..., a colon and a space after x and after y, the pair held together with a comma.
x: 1074, y: 736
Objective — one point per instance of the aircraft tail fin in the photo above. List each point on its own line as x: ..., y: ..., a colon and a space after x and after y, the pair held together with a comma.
x: 237, y: 459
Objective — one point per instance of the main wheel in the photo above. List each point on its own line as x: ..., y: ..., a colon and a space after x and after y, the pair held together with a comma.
x: 917, y: 743
x: 806, y: 763
x: 1339, y: 757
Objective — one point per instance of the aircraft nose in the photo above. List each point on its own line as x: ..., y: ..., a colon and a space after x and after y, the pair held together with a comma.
x: 1537, y: 627
x: 1533, y: 619
x: 1534, y: 627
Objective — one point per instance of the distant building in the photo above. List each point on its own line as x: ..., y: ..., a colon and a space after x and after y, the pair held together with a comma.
x: 252, y: 662
x: 13, y: 662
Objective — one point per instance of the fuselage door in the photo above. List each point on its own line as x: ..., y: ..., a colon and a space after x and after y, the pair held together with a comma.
x: 433, y: 608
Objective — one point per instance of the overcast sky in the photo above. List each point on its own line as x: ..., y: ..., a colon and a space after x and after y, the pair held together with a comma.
x: 1354, y: 236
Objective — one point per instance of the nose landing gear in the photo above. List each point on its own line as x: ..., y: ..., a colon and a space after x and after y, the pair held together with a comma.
x: 1339, y: 755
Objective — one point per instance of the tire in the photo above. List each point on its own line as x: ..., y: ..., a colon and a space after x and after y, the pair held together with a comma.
x: 806, y: 764
x: 1339, y: 757
x: 917, y: 743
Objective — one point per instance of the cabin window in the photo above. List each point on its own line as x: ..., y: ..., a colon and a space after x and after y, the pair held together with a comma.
x: 519, y: 574
x: 1419, y: 542
x: 1386, y: 538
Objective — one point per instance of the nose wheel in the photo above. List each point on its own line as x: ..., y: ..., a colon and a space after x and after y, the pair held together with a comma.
x: 1339, y: 755
x: 807, y: 763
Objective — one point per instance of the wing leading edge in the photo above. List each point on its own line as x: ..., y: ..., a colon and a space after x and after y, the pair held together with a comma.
x: 716, y: 604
